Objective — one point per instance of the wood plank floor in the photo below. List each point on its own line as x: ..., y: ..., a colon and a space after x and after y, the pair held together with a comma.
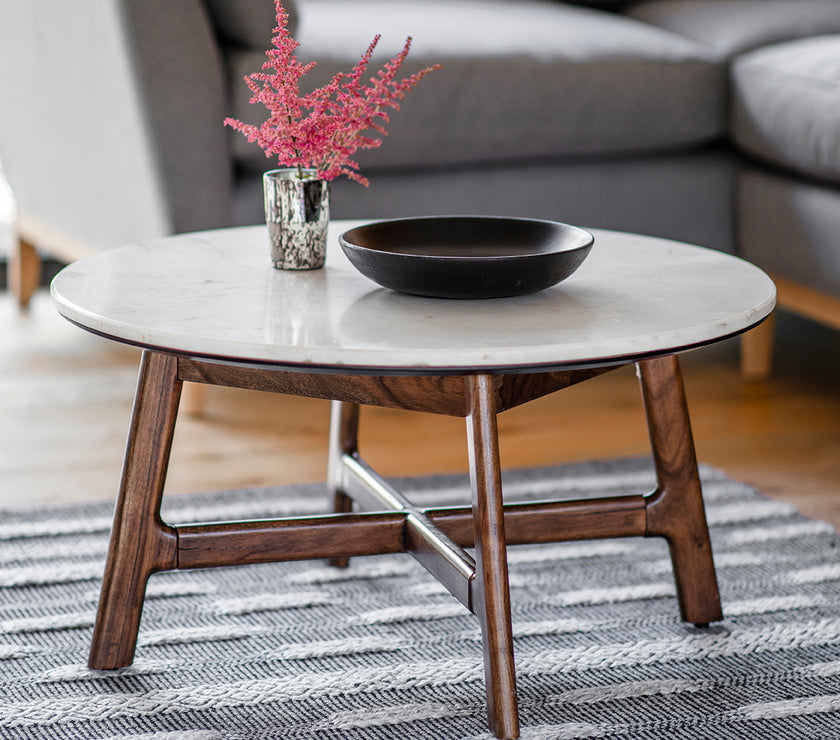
x: 65, y: 399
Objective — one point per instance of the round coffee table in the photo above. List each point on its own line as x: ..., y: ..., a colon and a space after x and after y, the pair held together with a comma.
x: 209, y: 308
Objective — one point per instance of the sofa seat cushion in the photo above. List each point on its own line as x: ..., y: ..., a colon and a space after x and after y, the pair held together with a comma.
x: 524, y: 80
x: 786, y: 105
x: 789, y: 227
x: 735, y: 26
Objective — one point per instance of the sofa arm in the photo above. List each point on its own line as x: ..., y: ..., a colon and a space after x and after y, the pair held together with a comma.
x: 111, y: 117
x: 183, y: 90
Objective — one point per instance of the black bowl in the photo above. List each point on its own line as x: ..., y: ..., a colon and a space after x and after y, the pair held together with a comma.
x: 466, y: 256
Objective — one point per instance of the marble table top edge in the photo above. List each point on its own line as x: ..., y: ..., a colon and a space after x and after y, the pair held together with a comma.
x: 214, y: 294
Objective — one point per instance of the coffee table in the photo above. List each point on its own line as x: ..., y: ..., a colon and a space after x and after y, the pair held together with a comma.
x: 208, y: 308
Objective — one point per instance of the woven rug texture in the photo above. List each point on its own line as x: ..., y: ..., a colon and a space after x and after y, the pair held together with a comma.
x: 381, y: 650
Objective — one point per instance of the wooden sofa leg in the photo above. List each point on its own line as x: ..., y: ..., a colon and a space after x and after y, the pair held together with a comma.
x: 193, y: 399
x: 24, y: 271
x: 757, y: 350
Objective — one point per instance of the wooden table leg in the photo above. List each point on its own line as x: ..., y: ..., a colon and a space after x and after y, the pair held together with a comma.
x: 140, y: 542
x: 675, y: 511
x: 344, y: 436
x: 491, y: 593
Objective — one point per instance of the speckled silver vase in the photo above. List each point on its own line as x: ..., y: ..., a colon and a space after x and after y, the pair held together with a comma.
x: 297, y: 212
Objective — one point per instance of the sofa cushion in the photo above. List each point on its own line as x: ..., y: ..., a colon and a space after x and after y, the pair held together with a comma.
x: 733, y: 26
x: 523, y: 80
x: 612, y: 4
x: 786, y: 105
x: 248, y: 23
x: 692, y: 193
x: 789, y: 227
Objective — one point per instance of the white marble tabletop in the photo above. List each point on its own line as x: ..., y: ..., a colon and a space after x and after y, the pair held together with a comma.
x: 215, y: 294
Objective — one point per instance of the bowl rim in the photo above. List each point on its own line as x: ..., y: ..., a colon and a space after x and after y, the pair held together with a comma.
x: 587, y: 238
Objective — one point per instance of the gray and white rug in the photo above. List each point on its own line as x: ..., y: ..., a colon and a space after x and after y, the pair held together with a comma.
x: 381, y: 651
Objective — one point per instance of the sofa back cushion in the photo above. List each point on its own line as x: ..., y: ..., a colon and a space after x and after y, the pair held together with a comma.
x: 734, y: 26
x: 786, y: 105
x: 248, y: 23
x: 607, y: 4
x: 520, y: 80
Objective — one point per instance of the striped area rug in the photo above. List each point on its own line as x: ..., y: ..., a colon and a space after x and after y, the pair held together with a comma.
x: 382, y: 651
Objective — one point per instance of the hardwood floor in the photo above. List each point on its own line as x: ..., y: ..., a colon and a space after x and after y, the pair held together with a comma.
x: 65, y: 399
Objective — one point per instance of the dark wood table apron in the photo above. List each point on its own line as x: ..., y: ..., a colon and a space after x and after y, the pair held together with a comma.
x: 385, y: 521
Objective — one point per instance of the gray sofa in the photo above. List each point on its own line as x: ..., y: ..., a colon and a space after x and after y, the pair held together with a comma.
x: 711, y: 121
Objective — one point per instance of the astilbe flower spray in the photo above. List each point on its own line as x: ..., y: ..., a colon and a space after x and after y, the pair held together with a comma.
x: 323, y: 129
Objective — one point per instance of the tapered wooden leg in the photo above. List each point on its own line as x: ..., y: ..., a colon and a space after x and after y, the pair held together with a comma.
x: 140, y: 542
x: 23, y: 271
x: 344, y: 436
x: 193, y: 399
x: 491, y: 593
x: 675, y: 511
x: 757, y: 350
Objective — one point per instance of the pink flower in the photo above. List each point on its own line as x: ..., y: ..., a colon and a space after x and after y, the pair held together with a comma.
x: 325, y: 128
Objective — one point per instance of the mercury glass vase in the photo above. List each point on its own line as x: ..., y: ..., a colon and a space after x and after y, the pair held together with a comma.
x: 297, y: 212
